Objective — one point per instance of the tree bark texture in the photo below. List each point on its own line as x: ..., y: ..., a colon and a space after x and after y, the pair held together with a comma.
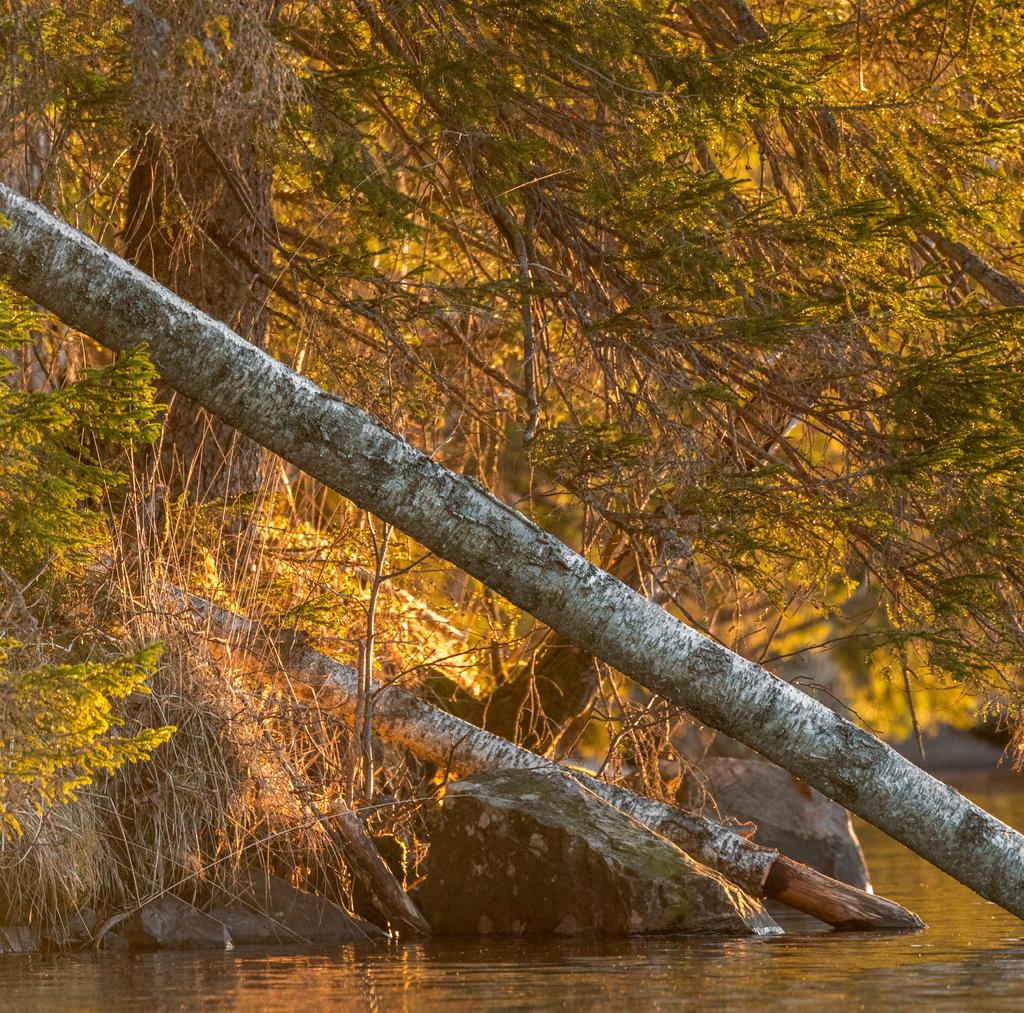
x: 95, y: 291
x: 198, y: 219
x: 198, y: 453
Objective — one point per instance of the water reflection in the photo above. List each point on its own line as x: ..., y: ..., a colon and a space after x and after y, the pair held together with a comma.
x: 972, y: 956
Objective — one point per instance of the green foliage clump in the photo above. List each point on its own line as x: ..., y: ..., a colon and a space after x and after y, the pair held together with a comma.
x: 56, y: 726
x: 50, y: 481
x: 56, y: 720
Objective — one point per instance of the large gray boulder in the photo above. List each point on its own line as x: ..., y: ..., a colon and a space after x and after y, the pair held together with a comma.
x: 523, y: 852
x: 790, y: 816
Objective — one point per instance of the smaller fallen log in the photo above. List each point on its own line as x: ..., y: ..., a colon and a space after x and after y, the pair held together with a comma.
x: 841, y: 906
x: 385, y: 889
x: 347, y: 831
x: 462, y: 748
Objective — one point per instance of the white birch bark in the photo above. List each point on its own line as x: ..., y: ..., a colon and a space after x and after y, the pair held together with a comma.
x: 93, y: 290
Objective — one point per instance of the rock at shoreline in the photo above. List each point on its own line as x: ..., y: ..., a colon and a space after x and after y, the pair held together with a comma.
x: 114, y: 942
x: 248, y: 928
x: 523, y: 852
x: 267, y: 909
x: 169, y: 923
x: 790, y: 816
x: 950, y: 751
x: 18, y: 939
x: 76, y: 931
x: 261, y: 910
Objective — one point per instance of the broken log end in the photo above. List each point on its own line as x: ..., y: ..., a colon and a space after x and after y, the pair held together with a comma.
x: 842, y: 906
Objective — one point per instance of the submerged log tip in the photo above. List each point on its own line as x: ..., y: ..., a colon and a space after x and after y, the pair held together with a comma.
x: 844, y: 907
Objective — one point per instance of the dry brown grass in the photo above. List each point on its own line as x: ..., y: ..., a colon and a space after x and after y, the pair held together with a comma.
x: 251, y: 769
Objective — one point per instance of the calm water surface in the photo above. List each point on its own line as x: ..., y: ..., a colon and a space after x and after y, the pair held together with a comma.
x: 971, y: 957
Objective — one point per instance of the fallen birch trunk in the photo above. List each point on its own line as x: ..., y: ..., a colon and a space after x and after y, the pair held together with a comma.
x: 461, y: 748
x: 93, y: 290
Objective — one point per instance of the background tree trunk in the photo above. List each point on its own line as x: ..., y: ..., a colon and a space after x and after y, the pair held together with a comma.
x: 199, y: 220
x: 92, y: 289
